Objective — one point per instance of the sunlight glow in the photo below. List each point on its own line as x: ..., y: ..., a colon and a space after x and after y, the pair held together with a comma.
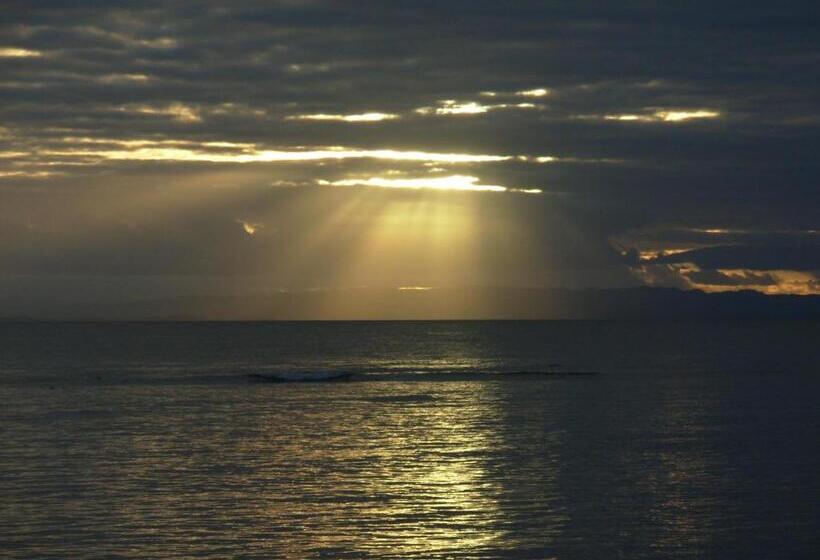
x: 537, y: 92
x: 678, y: 116
x: 14, y: 52
x: 449, y: 183
x: 250, y: 227
x: 177, y: 111
x: 690, y: 276
x: 29, y: 174
x: 356, y: 118
x: 650, y: 255
x: 628, y: 118
x: 146, y: 151
x: 453, y: 107
x: 663, y: 116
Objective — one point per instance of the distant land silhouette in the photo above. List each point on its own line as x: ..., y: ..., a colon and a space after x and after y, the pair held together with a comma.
x: 442, y: 303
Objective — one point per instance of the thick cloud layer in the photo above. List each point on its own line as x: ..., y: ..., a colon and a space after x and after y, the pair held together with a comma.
x: 321, y: 144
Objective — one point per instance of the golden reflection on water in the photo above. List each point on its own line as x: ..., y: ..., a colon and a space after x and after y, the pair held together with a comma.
x: 381, y: 469
x: 412, y: 465
x: 686, y: 474
x: 621, y: 465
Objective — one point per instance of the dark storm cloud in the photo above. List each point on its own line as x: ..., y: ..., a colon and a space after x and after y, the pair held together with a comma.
x: 660, y: 119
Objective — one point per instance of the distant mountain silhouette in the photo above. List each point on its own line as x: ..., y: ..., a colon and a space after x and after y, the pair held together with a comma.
x: 451, y: 303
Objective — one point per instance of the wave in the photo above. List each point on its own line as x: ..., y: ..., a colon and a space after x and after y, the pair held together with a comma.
x: 225, y: 374
x: 300, y: 376
x: 409, y: 375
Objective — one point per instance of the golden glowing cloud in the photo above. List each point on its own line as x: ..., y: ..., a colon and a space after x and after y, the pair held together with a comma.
x: 140, y: 150
x: 356, y: 118
x: 537, y: 92
x: 650, y: 255
x: 250, y: 227
x: 10, y: 155
x: 690, y: 276
x: 176, y: 111
x: 782, y: 282
x: 453, y: 107
x: 644, y: 118
x: 448, y: 183
x: 662, y: 116
x: 29, y: 174
x: 14, y: 52
x: 678, y: 116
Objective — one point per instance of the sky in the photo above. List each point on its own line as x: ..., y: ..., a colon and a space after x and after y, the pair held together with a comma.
x: 163, y: 149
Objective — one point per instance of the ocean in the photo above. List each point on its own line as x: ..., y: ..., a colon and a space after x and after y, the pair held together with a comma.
x: 449, y: 440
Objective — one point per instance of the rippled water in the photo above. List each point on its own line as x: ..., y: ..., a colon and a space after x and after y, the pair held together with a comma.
x: 695, y: 440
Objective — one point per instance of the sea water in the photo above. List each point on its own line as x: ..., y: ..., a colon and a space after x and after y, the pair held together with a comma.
x: 450, y: 440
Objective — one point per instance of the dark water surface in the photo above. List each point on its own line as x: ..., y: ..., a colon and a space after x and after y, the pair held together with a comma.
x: 695, y: 440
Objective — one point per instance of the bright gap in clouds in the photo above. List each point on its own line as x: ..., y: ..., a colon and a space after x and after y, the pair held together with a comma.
x: 537, y: 92
x: 355, y: 118
x: 665, y: 116
x: 448, y: 183
x: 176, y: 111
x: 14, y: 52
x: 453, y: 107
x: 677, y: 116
x: 252, y: 155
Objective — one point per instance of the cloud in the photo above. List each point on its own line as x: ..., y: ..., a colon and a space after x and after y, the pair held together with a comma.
x: 170, y: 152
x: 714, y: 156
x: 124, y: 78
x: 355, y: 118
x: 689, y: 276
x: 724, y: 258
x: 14, y: 52
x: 448, y: 183
x: 176, y: 111
x: 250, y: 227
x: 536, y: 92
x: 798, y: 256
x: 658, y: 116
x: 680, y: 116
x: 736, y: 278
x: 453, y: 107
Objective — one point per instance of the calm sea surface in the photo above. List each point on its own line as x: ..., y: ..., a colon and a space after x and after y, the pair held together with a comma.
x: 695, y: 440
